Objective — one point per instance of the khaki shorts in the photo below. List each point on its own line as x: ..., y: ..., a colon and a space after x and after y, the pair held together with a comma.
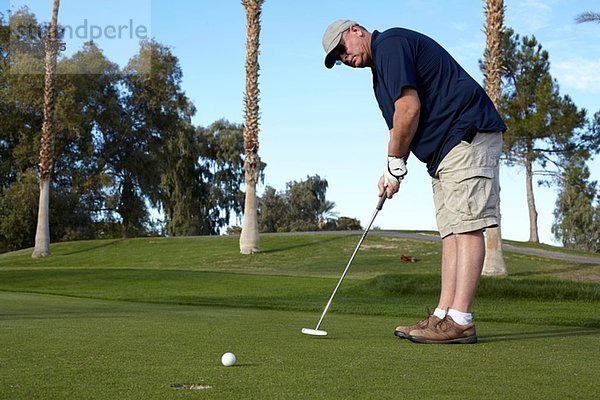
x: 466, y: 186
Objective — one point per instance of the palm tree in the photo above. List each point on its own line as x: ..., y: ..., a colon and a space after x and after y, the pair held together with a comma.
x: 494, y: 20
x: 588, y: 16
x: 42, y: 234
x: 249, y: 239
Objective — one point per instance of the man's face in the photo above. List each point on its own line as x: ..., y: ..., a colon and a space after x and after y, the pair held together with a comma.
x: 353, y: 49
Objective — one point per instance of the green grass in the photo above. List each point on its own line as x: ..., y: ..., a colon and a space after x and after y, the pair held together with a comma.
x: 548, y: 247
x: 128, y: 319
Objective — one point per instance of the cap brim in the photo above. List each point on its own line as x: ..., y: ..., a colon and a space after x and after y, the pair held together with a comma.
x: 331, y: 58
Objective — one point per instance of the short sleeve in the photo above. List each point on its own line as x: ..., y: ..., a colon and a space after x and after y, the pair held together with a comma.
x: 397, y: 66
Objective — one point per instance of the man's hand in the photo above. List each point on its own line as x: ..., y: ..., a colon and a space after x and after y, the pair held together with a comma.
x: 393, y: 173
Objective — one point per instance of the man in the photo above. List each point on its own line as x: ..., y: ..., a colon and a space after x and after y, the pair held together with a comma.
x: 435, y: 110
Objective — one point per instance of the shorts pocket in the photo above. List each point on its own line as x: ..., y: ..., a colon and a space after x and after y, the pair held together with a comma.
x: 469, y: 193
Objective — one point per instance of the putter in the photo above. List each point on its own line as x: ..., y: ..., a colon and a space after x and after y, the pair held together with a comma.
x: 320, y: 332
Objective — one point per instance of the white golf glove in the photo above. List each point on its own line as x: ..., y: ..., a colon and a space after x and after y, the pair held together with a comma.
x: 395, y: 169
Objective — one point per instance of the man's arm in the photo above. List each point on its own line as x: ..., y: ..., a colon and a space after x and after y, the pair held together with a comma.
x: 406, y: 120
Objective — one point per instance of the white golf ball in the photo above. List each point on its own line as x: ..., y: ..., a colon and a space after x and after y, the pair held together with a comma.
x: 228, y: 359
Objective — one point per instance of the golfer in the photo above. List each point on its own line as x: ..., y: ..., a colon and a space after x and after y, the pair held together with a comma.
x: 435, y: 110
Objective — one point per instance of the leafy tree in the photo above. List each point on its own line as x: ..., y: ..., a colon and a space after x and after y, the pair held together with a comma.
x: 577, y: 213
x: 89, y: 84
x: 123, y: 143
x: 202, y: 179
x: 72, y: 191
x: 154, y: 110
x: 593, y: 134
x: 543, y: 126
x: 20, y: 100
x: 180, y: 183
x: 223, y: 173
x: 273, y: 211
x: 308, y: 206
x: 302, y: 207
x: 347, y: 224
x: 26, y: 37
x: 18, y: 203
x: 21, y: 122
x: 21, y: 118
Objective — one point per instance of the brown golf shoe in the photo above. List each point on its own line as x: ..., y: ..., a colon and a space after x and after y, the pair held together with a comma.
x: 445, y: 331
x: 403, y: 331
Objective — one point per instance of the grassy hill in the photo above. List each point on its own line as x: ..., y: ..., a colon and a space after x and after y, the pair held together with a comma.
x: 136, y: 318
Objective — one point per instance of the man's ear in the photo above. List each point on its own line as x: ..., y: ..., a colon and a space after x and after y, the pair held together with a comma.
x: 355, y: 29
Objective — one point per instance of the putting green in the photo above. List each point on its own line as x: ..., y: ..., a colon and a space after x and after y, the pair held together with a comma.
x: 56, y: 347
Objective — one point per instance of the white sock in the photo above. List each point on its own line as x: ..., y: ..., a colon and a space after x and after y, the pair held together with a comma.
x: 439, y: 313
x: 460, y: 318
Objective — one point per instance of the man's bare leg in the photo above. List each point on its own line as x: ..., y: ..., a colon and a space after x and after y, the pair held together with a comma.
x: 448, y: 284
x: 470, y: 255
x: 462, y: 261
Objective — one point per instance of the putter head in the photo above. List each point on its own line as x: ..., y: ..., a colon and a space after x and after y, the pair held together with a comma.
x: 314, y: 332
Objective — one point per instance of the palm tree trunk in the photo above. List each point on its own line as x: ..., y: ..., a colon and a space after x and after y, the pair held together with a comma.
x: 533, y: 215
x: 249, y: 238
x: 42, y: 234
x: 494, y: 11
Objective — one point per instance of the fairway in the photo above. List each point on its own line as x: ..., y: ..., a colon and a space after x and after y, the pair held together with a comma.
x: 75, y: 326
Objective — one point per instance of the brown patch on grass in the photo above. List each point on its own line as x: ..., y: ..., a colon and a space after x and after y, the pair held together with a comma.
x: 193, y: 386
x: 377, y: 246
x: 579, y: 276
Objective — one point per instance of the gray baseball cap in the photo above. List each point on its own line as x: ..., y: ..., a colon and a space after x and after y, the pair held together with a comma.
x: 332, y: 38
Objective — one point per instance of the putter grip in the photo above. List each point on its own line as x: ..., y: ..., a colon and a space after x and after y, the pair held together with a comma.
x: 381, y: 201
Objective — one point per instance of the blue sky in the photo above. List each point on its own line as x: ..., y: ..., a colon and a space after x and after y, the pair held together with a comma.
x: 326, y: 122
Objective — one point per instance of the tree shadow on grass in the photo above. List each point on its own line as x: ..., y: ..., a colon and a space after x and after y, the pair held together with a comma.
x: 309, y: 244
x: 579, y: 267
x: 515, y: 336
x: 95, y: 247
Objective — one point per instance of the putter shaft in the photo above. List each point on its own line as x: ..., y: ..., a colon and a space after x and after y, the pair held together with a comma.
x: 362, y: 238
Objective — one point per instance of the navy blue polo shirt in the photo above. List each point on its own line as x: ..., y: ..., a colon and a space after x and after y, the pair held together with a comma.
x: 452, y: 103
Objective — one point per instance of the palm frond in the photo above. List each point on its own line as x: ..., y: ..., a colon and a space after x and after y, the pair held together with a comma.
x: 588, y: 16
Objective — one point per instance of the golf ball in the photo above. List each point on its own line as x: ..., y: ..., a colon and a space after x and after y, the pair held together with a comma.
x: 228, y: 359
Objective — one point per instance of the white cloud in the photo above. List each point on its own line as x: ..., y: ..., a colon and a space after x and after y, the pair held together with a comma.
x: 460, y: 26
x: 529, y: 16
x: 580, y: 74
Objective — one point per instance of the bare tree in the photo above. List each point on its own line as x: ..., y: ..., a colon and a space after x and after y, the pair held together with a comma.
x: 249, y: 238
x: 42, y: 234
x: 494, y: 20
